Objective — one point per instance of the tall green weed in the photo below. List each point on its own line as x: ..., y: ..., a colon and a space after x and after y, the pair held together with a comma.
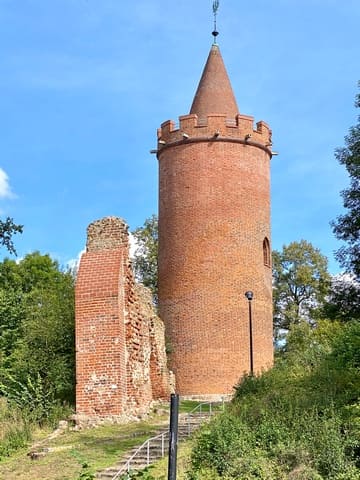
x: 15, y: 431
x: 33, y: 398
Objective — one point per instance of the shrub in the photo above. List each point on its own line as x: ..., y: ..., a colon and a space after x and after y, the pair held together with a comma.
x: 300, y: 420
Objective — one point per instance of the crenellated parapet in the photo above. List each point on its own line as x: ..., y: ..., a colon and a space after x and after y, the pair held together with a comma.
x: 215, y: 127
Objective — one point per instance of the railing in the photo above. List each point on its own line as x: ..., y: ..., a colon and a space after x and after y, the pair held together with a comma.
x: 146, y: 446
x: 163, y: 438
x: 209, y: 408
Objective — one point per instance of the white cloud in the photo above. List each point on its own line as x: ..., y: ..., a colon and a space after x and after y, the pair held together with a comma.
x: 74, y: 263
x: 5, y: 190
x: 132, y: 245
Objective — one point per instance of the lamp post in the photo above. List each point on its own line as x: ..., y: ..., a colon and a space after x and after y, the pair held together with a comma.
x: 173, y: 435
x: 250, y: 295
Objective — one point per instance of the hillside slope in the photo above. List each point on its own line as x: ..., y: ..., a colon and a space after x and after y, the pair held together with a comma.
x: 299, y: 421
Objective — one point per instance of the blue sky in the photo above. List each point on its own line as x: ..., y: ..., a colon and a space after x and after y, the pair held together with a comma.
x: 85, y: 84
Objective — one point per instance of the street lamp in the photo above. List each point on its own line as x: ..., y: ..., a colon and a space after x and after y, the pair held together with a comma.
x: 249, y: 295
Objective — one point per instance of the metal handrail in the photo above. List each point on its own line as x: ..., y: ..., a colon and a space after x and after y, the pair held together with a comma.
x: 127, y: 466
x: 199, y: 407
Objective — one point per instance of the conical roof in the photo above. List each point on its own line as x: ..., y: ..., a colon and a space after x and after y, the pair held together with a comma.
x: 214, y: 93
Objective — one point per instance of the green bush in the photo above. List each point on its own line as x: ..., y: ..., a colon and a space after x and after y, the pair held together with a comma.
x: 298, y: 421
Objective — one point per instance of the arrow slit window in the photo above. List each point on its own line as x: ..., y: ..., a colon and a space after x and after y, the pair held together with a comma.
x: 266, y: 252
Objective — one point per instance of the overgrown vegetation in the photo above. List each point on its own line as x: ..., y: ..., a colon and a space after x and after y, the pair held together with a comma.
x: 37, y: 365
x: 15, y: 430
x: 300, y: 420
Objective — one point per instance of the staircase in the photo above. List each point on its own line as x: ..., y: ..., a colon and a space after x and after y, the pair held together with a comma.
x: 157, y: 447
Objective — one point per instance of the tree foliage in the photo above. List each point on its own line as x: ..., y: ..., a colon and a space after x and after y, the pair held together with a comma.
x: 146, y: 254
x: 347, y: 226
x: 36, y: 329
x: 343, y: 300
x: 7, y: 229
x: 300, y: 280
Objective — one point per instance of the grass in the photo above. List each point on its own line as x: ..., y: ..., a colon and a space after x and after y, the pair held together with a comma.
x: 98, y: 448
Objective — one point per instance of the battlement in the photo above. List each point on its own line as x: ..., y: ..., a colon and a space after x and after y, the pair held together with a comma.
x: 215, y: 127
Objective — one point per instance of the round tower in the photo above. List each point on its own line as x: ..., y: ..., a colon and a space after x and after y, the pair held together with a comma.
x: 214, y: 239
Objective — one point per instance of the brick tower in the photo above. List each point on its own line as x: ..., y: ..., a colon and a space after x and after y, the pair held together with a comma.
x: 214, y: 239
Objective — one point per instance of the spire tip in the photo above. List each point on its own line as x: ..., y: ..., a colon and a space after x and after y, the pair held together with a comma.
x: 215, y: 8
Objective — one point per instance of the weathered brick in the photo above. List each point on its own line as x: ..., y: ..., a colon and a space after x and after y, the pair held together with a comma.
x: 119, y: 338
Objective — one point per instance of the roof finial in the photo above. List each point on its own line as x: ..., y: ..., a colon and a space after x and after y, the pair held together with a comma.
x: 215, y: 9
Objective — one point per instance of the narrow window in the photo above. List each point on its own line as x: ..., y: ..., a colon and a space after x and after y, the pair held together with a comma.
x: 266, y: 252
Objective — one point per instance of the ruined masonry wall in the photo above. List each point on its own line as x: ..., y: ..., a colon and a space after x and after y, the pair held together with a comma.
x: 120, y: 347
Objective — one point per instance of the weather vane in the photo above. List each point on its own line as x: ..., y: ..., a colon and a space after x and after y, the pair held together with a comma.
x: 215, y: 10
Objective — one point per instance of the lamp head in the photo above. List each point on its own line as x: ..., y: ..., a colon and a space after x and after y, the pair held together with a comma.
x: 249, y: 295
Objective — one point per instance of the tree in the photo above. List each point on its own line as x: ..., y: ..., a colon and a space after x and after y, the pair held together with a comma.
x: 146, y: 254
x: 37, y: 323
x: 11, y: 315
x: 347, y: 226
x: 46, y: 344
x: 7, y: 229
x: 343, y: 300
x: 300, y: 281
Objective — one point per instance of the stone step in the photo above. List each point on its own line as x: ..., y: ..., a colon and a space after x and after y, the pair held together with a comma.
x: 109, y: 475
x: 188, y: 424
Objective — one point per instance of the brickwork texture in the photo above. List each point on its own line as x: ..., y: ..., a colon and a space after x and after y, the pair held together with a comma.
x: 120, y: 349
x: 214, y: 224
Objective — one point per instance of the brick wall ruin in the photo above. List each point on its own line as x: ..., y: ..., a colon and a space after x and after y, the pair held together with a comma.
x: 120, y: 348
